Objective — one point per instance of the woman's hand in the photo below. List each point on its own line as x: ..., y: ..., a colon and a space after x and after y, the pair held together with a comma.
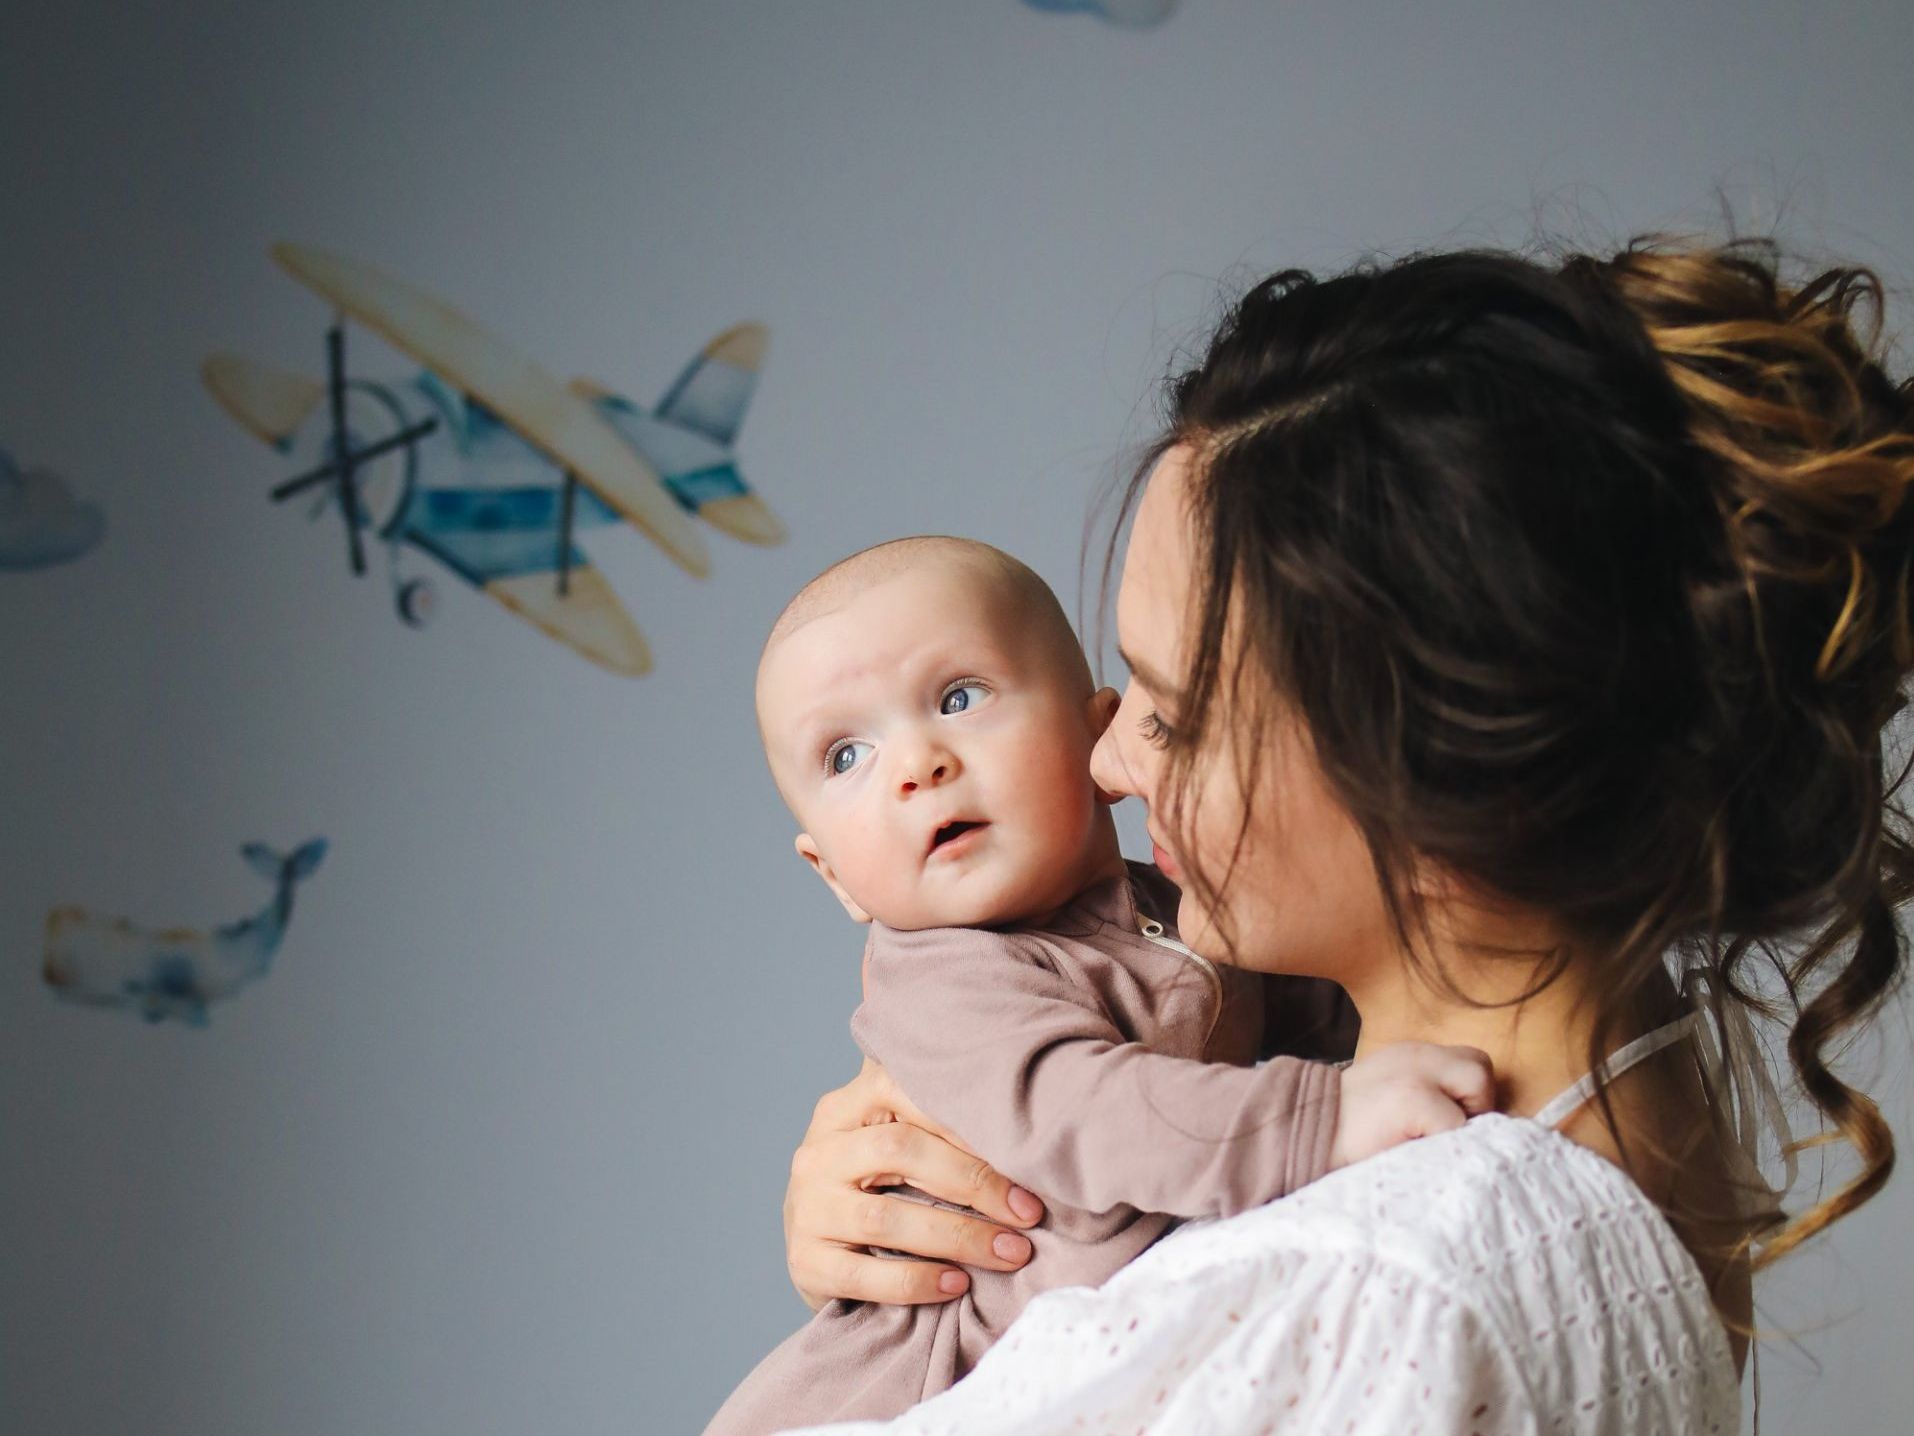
x: 867, y: 1134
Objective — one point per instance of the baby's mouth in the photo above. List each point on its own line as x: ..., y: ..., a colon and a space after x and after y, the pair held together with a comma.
x: 950, y: 832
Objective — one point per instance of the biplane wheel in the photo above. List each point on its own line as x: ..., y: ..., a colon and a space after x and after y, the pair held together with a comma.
x: 416, y: 601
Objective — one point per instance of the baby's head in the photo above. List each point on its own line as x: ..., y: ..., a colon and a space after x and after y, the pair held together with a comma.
x: 928, y: 716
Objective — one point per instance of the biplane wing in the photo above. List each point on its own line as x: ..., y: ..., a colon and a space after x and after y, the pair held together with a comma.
x: 536, y: 406
x: 268, y: 402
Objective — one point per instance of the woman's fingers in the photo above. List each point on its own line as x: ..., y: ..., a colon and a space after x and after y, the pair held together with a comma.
x: 903, y: 1136
x: 877, y: 1219
x: 829, y: 1218
x: 852, y: 1275
x: 872, y: 1098
x: 902, y: 1109
x: 859, y: 1102
x: 866, y: 1135
x: 899, y: 1152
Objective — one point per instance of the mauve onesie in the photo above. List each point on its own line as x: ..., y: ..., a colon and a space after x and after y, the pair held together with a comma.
x: 1089, y: 1060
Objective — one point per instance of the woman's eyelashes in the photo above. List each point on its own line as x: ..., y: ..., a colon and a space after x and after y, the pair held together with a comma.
x: 957, y: 698
x: 1155, y: 731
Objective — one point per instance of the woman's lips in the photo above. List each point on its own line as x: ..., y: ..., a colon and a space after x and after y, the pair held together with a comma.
x: 1164, y: 861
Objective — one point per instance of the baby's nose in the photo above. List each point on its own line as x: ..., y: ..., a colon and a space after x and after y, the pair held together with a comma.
x: 928, y: 772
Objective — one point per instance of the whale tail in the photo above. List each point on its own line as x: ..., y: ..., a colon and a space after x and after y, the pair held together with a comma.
x: 285, y: 868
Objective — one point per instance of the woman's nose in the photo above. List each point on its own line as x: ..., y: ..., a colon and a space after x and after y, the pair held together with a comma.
x: 1109, y: 771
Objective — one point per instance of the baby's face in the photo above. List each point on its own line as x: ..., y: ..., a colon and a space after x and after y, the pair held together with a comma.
x: 937, y: 760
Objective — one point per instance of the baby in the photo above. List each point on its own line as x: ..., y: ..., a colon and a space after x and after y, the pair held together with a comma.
x: 928, y: 717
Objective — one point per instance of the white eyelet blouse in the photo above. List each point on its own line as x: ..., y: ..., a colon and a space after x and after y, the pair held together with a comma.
x: 1497, y: 1280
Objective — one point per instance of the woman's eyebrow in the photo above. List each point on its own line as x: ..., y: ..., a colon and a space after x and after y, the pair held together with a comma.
x: 1152, y: 680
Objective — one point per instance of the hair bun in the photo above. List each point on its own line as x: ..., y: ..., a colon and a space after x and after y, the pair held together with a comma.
x: 1810, y: 444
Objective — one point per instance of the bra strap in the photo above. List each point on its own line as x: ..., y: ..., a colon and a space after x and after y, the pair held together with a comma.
x: 1641, y: 1049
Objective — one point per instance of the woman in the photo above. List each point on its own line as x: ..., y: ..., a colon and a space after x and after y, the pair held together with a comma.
x: 1512, y: 644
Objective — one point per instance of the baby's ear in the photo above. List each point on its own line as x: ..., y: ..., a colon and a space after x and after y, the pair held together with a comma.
x: 807, y: 849
x: 1103, y: 707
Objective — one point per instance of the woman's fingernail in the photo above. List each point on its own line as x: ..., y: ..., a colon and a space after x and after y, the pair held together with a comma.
x: 1010, y: 1246
x: 1024, y: 1204
x: 952, y: 1283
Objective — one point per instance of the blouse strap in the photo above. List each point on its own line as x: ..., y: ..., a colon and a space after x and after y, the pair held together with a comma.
x: 1568, y: 1103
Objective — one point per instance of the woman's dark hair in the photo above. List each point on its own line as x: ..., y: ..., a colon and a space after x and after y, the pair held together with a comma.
x: 1589, y: 582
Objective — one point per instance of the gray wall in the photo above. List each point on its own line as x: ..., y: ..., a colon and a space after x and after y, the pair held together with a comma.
x: 499, y: 1145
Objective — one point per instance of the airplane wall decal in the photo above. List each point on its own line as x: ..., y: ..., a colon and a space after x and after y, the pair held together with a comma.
x: 489, y: 466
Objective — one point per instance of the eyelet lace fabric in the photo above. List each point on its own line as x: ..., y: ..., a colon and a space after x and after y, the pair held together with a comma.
x: 1498, y: 1280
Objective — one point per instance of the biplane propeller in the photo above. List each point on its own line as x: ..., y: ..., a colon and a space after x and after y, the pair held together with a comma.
x: 347, y: 460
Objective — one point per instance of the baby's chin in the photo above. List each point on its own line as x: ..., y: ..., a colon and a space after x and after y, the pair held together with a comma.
x: 982, y: 897
x: 992, y: 904
x: 982, y: 911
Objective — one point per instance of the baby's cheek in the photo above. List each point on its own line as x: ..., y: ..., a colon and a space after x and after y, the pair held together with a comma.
x: 883, y: 873
x: 1060, y: 825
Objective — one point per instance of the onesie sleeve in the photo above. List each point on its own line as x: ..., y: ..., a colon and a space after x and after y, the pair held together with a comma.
x: 987, y: 1037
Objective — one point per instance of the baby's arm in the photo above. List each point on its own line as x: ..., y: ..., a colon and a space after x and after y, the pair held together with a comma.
x: 1022, y: 1064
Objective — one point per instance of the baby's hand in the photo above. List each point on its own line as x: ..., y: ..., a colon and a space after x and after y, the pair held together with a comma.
x: 1408, y: 1090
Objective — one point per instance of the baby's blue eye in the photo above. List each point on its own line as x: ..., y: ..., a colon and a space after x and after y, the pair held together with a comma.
x: 840, y: 759
x: 961, y: 703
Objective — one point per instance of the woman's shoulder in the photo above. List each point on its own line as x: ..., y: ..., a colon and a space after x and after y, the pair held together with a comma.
x: 1427, y: 1203
x: 1550, y: 1251
x: 1468, y: 1210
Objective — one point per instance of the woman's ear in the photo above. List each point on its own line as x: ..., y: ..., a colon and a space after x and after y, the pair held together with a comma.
x: 807, y: 849
x: 1440, y: 886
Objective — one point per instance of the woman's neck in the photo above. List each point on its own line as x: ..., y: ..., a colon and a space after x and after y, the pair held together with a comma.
x: 1540, y: 1047
x: 1539, y: 1042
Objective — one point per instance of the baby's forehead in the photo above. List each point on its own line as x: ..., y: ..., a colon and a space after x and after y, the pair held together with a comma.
x: 875, y: 635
